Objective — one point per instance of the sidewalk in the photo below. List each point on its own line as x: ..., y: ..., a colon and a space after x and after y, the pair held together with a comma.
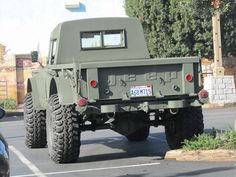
x: 226, y: 105
x: 217, y: 155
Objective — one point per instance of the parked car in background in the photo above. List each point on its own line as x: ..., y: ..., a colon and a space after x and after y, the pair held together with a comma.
x: 4, y: 154
x: 2, y: 113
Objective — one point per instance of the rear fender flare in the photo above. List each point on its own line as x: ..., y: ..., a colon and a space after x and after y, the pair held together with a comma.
x: 63, y: 88
x: 33, y: 89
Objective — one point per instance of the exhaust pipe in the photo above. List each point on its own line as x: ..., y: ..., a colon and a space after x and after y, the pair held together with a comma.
x: 174, y: 111
x: 111, y: 115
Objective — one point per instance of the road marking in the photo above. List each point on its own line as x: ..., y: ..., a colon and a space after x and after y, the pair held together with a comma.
x: 92, y: 169
x: 155, y: 138
x: 29, y: 164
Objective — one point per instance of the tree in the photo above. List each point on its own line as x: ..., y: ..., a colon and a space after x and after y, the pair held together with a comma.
x: 183, y: 27
x: 228, y: 27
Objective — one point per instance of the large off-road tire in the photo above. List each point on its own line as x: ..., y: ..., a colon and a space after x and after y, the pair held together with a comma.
x: 63, y: 133
x: 140, y: 121
x: 35, y: 124
x: 184, y: 125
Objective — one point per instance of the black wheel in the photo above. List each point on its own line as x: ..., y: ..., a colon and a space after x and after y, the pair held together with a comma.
x: 4, y: 158
x: 141, y: 128
x: 184, y: 125
x: 63, y: 133
x: 35, y: 124
x: 2, y: 113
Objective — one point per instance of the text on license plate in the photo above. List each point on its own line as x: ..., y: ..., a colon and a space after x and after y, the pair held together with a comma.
x: 144, y: 90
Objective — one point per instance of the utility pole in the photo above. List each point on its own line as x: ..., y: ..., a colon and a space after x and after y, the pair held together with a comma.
x: 218, y: 69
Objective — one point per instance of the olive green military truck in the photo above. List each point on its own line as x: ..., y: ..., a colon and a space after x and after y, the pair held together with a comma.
x: 99, y: 75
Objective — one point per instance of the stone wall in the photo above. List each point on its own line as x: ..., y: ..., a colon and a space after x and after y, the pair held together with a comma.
x: 229, y: 63
x: 221, y: 89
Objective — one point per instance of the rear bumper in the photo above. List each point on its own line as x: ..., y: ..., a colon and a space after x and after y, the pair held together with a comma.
x: 145, y: 106
x: 149, y: 106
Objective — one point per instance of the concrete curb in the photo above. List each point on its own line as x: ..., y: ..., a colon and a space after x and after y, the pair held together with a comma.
x: 217, y: 155
x: 11, y: 114
x: 226, y: 105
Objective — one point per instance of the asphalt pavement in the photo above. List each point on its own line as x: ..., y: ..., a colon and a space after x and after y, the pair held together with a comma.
x: 105, y: 153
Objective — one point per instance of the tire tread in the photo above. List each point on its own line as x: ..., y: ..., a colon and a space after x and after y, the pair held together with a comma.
x: 35, y: 124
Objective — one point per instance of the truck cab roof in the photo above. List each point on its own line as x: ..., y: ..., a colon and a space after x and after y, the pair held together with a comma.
x: 97, y: 39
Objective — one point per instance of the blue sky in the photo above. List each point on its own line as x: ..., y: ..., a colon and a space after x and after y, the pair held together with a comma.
x: 26, y: 23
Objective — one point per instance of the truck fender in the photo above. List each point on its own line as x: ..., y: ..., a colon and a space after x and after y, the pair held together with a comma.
x: 63, y: 88
x: 33, y: 89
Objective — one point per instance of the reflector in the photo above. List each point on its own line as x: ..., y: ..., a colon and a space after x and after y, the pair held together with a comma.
x: 203, y: 94
x: 82, y: 102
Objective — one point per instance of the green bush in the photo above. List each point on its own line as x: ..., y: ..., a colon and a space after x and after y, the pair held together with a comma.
x: 215, y: 140
x: 8, y: 104
x: 228, y: 139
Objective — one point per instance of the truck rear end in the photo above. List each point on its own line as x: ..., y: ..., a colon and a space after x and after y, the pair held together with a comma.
x: 141, y: 85
x: 99, y: 75
x: 130, y: 96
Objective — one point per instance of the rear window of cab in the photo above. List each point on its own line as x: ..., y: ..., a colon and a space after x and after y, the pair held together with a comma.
x: 103, y: 39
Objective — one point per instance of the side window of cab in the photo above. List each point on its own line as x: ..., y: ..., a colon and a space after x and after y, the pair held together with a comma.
x: 52, y: 53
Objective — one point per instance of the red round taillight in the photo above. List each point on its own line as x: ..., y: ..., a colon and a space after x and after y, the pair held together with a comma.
x: 93, y: 83
x: 189, y: 77
x: 82, y: 102
x: 203, y: 94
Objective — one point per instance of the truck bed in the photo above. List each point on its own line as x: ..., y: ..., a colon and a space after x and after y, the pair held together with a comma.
x: 141, y: 79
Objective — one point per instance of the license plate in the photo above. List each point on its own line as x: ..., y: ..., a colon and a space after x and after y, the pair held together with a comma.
x: 141, y: 91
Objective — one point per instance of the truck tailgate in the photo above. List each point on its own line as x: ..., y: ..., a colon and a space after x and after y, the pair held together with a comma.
x: 147, y: 78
